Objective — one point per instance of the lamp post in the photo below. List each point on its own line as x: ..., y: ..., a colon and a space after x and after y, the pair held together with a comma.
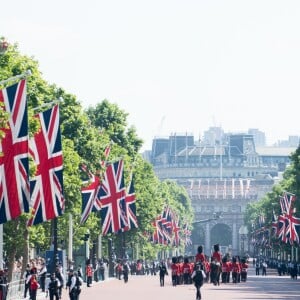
x: 243, y: 235
x: 110, y: 258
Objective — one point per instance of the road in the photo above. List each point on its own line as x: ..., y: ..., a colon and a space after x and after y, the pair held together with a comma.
x: 147, y: 288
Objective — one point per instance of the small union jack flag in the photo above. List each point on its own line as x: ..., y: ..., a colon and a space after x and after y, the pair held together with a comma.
x: 47, y: 200
x: 112, y: 198
x: 14, y: 167
x: 90, y: 195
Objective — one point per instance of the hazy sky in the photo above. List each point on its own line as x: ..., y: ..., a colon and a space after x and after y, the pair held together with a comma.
x: 173, y: 65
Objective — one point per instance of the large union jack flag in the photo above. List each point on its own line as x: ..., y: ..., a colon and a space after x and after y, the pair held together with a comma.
x: 14, y: 178
x: 46, y: 188
x: 131, y: 207
x: 112, y: 198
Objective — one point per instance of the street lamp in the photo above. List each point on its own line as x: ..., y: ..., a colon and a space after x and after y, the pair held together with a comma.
x: 243, y: 234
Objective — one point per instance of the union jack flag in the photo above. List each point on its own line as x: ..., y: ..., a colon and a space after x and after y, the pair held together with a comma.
x: 282, y: 228
x: 158, y: 235
x: 291, y: 231
x: 47, y: 200
x: 176, y: 230
x: 14, y: 167
x: 131, y: 207
x: 274, y: 225
x: 90, y: 193
x: 112, y: 198
x: 90, y: 196
x: 286, y: 202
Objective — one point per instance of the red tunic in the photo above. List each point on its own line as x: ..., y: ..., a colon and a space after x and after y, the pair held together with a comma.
x: 217, y: 256
x: 200, y: 257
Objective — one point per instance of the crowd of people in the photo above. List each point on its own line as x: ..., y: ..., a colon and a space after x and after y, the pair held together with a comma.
x: 183, y: 270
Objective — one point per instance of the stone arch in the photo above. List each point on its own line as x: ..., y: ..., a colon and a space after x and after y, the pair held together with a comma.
x: 221, y: 234
x: 198, y: 237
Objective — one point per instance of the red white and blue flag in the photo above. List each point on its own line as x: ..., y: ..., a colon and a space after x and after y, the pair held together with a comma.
x: 292, y: 229
x: 14, y: 167
x: 90, y: 192
x: 46, y: 188
x: 112, y: 198
x: 90, y: 196
x: 131, y: 207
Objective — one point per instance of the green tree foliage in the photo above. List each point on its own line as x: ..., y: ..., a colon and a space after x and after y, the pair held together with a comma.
x: 269, y: 205
x: 85, y: 134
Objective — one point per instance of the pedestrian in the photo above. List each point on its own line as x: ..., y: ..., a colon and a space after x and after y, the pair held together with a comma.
x: 89, y: 275
x: 33, y: 286
x: 75, y: 286
x: 162, y: 272
x: 53, y: 288
x: 59, y: 275
x: 257, y: 267
x: 264, y: 268
x: 126, y: 270
x: 42, y: 275
x: 198, y: 277
x: 101, y: 270
x: 26, y: 280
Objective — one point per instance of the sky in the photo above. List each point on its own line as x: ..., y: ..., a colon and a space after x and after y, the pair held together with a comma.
x: 175, y: 66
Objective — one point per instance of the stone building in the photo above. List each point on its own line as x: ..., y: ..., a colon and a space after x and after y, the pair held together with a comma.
x: 221, y: 179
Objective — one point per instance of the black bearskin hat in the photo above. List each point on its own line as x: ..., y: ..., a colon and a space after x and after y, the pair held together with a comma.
x: 216, y: 247
x: 200, y: 249
x: 174, y: 260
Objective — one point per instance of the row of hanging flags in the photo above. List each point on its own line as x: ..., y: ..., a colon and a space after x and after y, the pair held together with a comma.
x: 110, y: 196
x: 43, y: 193
x: 167, y: 230
x: 284, y: 227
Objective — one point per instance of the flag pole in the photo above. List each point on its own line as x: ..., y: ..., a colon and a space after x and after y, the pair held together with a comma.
x: 20, y: 76
x: 49, y: 103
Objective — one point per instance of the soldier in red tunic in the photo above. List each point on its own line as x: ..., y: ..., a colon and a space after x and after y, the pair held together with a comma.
x: 200, y: 256
x: 217, y: 254
x: 244, y: 269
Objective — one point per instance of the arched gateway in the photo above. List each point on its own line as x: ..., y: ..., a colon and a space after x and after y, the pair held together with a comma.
x: 220, y: 178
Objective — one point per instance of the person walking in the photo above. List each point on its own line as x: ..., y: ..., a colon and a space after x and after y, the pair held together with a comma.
x: 126, y: 270
x: 75, y: 286
x: 59, y: 275
x: 89, y: 275
x: 257, y: 267
x: 53, y: 288
x: 33, y: 286
x: 42, y: 275
x: 162, y: 272
x: 264, y: 268
x: 26, y: 280
x: 198, y: 277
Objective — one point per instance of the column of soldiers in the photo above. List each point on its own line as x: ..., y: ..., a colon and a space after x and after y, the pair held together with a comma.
x: 225, y: 269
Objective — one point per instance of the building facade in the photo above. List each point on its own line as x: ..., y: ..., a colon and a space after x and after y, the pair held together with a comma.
x: 221, y: 178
